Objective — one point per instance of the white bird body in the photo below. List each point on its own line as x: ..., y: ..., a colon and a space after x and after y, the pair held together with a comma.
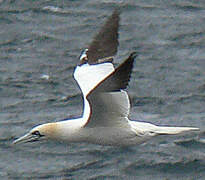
x: 110, y: 128
x: 106, y: 103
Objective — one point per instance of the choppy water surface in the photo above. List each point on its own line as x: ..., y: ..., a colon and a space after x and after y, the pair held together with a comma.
x: 44, y: 38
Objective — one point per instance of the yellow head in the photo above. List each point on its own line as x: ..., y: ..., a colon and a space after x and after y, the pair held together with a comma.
x: 44, y: 131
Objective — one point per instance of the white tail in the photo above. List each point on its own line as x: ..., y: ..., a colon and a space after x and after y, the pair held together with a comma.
x: 151, y: 129
x: 173, y: 130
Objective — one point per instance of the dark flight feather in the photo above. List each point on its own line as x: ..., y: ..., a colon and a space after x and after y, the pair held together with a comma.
x: 118, y: 79
x: 105, y: 43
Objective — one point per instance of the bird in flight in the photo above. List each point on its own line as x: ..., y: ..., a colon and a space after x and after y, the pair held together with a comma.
x: 106, y: 103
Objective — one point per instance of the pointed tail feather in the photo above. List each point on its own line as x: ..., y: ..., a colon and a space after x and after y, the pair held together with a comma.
x: 142, y: 128
x: 174, y: 130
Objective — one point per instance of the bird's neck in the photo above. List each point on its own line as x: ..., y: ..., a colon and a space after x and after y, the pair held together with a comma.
x: 68, y: 129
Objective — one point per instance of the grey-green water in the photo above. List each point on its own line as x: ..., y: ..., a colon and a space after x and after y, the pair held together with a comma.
x: 40, y: 38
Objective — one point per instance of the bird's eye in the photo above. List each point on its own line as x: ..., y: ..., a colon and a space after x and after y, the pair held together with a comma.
x: 37, y: 133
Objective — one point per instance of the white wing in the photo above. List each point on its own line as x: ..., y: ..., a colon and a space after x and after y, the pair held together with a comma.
x: 105, y: 102
x: 96, y: 61
x: 109, y: 103
x: 109, y: 109
x: 89, y: 76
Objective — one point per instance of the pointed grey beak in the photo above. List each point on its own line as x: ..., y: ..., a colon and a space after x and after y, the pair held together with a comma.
x: 26, y: 138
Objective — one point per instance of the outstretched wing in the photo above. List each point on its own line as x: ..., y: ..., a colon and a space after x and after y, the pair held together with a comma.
x: 108, y: 101
x: 96, y: 61
x: 119, y: 78
x: 105, y: 43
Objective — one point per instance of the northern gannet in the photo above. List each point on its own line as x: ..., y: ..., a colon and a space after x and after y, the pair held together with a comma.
x: 106, y: 103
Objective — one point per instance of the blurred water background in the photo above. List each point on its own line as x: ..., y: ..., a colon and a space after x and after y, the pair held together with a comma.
x: 40, y: 42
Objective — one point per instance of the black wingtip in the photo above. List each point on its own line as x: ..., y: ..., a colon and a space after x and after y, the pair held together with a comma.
x: 105, y: 43
x: 133, y: 55
x: 116, y: 12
